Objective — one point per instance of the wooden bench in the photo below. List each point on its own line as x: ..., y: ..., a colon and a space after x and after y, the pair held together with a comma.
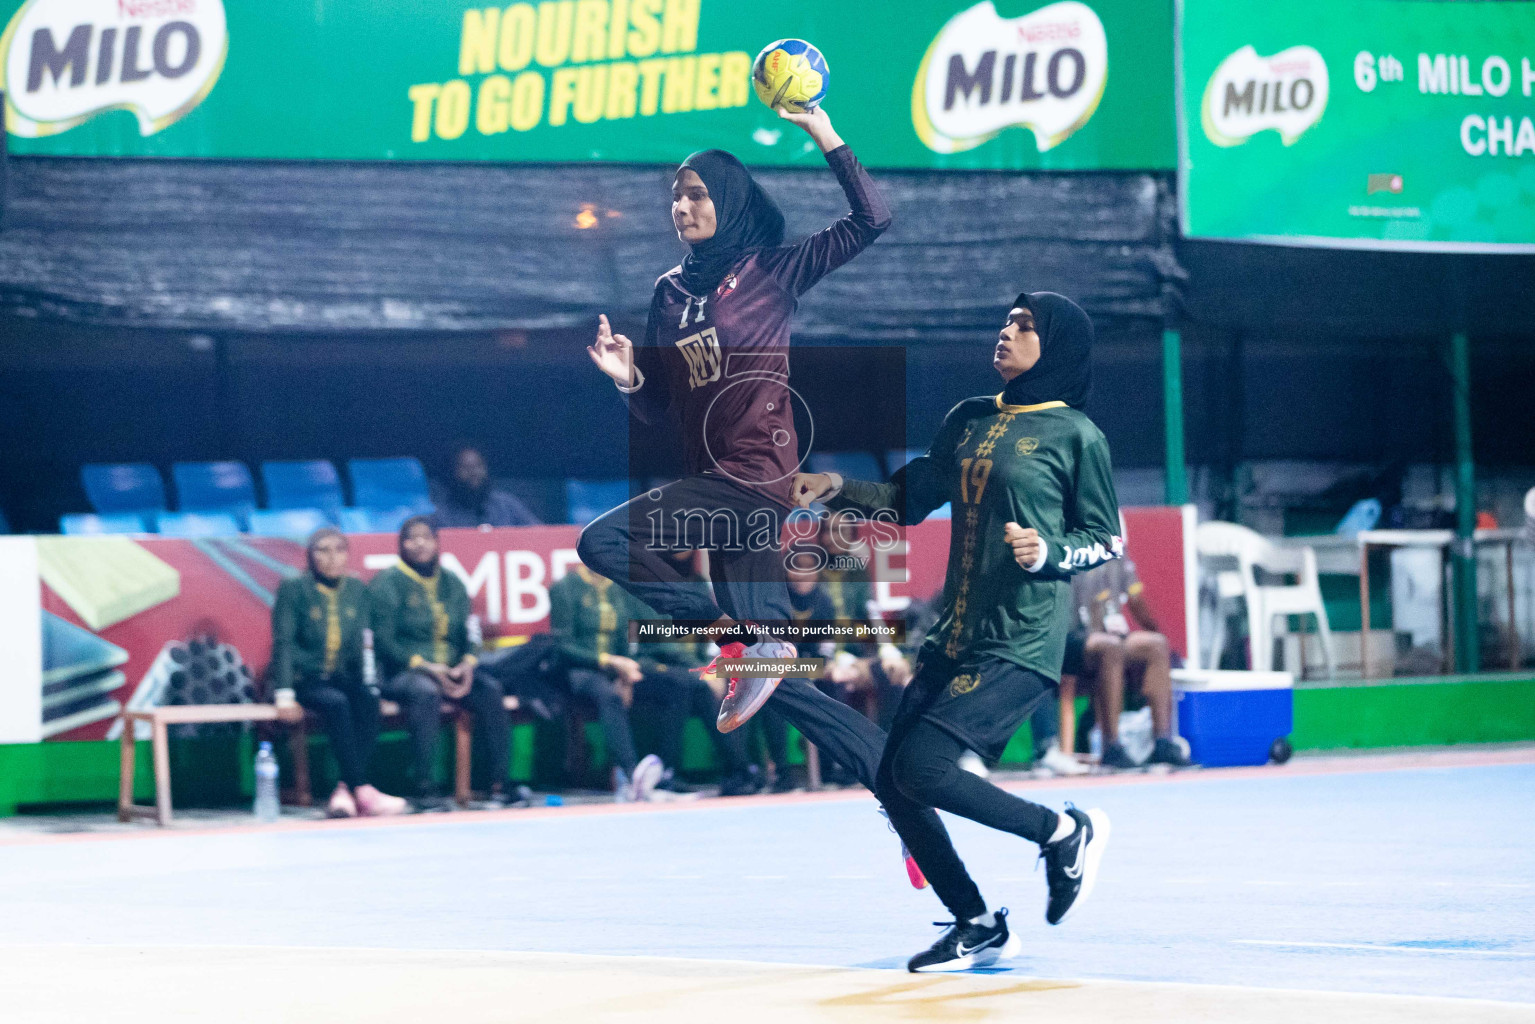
x: 293, y: 716
x: 159, y: 719
x: 463, y: 744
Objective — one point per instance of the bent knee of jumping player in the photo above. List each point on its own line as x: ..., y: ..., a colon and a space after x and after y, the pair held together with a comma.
x: 601, y: 544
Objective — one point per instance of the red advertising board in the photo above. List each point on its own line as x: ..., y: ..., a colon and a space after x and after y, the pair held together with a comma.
x: 128, y: 621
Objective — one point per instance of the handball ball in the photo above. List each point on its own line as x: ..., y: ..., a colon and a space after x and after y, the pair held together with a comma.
x: 790, y: 75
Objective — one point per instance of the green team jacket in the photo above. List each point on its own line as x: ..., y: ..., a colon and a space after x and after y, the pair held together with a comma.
x: 418, y: 618
x: 1042, y: 466
x: 301, y: 620
x: 589, y: 617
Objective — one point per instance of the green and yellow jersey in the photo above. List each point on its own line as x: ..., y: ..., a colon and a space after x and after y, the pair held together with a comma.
x: 1042, y: 466
x: 418, y: 619
x: 317, y: 630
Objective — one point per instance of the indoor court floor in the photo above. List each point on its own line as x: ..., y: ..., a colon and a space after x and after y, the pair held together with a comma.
x: 1381, y: 888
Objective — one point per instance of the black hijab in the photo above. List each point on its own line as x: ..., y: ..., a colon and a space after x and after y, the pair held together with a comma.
x: 322, y: 533
x: 745, y: 217
x: 1064, y: 372
x: 430, y: 568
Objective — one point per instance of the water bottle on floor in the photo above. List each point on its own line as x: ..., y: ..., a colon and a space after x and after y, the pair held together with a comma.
x: 266, y: 784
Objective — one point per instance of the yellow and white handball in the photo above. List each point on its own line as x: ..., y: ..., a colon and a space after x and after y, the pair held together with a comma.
x: 790, y: 75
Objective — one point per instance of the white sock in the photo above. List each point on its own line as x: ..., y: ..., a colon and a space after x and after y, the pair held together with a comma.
x: 986, y: 920
x: 1065, y: 825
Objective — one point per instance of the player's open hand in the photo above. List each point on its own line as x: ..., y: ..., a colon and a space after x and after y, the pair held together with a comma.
x: 1025, y: 543
x: 817, y: 125
x: 811, y: 487
x: 613, y: 353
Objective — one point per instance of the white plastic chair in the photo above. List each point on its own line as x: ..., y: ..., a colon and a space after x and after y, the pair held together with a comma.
x: 1251, y: 550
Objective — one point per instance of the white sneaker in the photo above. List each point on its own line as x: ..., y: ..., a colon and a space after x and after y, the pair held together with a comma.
x: 1062, y: 763
x: 646, y: 775
x: 971, y: 762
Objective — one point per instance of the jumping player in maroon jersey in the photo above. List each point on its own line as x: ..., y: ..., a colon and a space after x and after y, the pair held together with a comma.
x: 716, y: 349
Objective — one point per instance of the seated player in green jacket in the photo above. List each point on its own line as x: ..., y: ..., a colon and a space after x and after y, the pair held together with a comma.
x: 421, y: 639
x: 670, y: 667
x: 317, y: 624
x: 589, y: 619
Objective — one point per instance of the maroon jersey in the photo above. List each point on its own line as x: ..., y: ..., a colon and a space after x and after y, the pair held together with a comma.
x: 722, y: 359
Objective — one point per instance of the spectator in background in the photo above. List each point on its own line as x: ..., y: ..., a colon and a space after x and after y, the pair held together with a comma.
x: 317, y: 624
x: 469, y: 498
x: 1114, y: 651
x: 421, y: 639
x: 1051, y: 752
x: 589, y: 619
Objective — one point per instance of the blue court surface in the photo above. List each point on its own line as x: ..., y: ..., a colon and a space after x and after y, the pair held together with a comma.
x: 1408, y: 877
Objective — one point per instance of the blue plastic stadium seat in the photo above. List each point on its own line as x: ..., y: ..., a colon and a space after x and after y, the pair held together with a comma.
x: 852, y: 465
x: 585, y: 500
x: 84, y: 524
x: 215, y: 487
x: 288, y: 522
x: 133, y: 487
x: 376, y: 520
x: 197, y: 524
x: 389, y: 484
x: 307, y: 484
x: 354, y: 520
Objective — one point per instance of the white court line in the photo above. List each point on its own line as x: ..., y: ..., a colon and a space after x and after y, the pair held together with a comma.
x: 1384, y: 949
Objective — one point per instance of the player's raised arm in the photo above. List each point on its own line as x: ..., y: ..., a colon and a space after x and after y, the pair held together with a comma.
x: 798, y: 267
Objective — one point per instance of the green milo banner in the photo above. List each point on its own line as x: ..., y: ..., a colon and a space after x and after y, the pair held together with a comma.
x: 913, y: 83
x: 1363, y: 123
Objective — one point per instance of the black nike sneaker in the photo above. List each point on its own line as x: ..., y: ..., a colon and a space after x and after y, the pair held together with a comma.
x: 964, y: 946
x: 1071, y: 864
x: 1168, y: 752
x: 1116, y: 756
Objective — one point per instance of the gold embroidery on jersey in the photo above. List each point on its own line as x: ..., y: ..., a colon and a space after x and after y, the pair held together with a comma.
x: 963, y: 684
x: 994, y: 434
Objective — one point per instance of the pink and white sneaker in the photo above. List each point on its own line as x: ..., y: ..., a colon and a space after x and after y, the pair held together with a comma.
x: 341, y: 804
x: 744, y: 697
x: 374, y: 804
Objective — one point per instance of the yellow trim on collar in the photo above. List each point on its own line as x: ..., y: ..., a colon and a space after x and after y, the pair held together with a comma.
x: 1028, y: 408
x: 413, y: 574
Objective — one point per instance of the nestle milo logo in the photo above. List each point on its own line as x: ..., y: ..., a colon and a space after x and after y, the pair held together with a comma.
x: 1045, y: 71
x: 65, y: 61
x: 1286, y: 93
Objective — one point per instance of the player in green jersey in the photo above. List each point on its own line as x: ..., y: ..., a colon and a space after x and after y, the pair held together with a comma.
x: 1027, y: 474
